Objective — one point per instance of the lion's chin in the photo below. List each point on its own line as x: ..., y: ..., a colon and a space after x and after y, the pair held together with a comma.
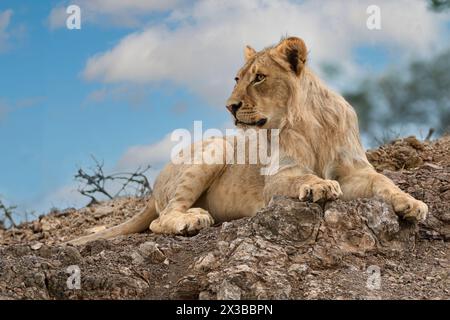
x: 259, y: 124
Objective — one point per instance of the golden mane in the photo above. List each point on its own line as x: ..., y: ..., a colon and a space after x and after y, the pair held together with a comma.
x: 320, y: 126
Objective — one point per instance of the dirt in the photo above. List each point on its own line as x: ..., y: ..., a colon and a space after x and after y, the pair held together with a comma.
x: 290, y: 250
x: 410, y: 153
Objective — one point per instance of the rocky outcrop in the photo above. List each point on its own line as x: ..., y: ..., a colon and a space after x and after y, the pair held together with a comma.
x: 421, y: 168
x: 290, y: 250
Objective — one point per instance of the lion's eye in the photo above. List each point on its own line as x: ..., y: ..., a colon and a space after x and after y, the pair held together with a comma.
x: 259, y: 78
x: 236, y: 79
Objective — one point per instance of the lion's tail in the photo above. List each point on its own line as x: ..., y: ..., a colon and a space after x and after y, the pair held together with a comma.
x: 138, y: 223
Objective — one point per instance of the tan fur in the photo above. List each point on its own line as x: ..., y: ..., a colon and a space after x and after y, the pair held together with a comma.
x: 321, y: 155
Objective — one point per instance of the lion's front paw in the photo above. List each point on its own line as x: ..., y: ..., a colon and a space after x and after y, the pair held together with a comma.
x: 322, y: 190
x: 409, y: 208
x: 182, y: 223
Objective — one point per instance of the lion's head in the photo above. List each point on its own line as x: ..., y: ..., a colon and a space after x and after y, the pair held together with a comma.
x: 266, y: 83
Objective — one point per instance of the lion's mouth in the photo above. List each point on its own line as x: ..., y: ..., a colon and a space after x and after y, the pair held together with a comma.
x: 258, y: 123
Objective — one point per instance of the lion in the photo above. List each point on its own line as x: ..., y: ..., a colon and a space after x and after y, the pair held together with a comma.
x: 321, y: 156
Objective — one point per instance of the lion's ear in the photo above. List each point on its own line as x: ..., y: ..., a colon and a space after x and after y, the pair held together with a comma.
x: 293, y: 51
x: 249, y: 52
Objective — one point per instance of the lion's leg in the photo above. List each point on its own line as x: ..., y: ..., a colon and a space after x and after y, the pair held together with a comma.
x: 178, y: 217
x: 366, y: 183
x: 294, y: 182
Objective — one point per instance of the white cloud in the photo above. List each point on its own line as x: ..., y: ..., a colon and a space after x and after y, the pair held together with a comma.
x: 129, y: 13
x: 156, y: 154
x: 64, y: 197
x: 7, y: 107
x: 133, y: 95
x: 5, y: 19
x: 134, y: 6
x: 57, y: 18
x: 204, y: 49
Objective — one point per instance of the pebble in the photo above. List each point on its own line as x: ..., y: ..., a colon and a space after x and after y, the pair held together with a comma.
x: 36, y: 246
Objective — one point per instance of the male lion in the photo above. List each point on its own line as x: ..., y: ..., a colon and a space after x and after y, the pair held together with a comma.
x: 321, y: 156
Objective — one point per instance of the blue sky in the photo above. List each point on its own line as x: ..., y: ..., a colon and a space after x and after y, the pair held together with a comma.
x: 67, y: 94
x: 46, y: 140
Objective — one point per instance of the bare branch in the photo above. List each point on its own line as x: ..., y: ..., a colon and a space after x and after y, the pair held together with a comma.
x: 97, y: 183
x: 7, y: 213
x: 430, y: 133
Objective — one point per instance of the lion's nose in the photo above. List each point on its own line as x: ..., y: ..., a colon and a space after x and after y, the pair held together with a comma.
x: 233, y: 108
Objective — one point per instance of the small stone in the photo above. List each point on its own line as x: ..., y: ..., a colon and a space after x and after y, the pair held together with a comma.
x: 226, y: 225
x: 48, y: 225
x: 205, y: 295
x: 101, y: 212
x: 228, y: 291
x: 70, y: 255
x: 36, y: 246
x: 205, y: 263
x: 223, y: 246
x: 432, y: 166
x: 37, y: 227
x: 96, y: 229
x: 150, y: 250
x: 296, y: 270
x: 137, y: 258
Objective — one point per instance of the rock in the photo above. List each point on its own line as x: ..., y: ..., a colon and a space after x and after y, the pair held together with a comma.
x: 36, y: 246
x: 297, y: 270
x: 206, y: 263
x: 289, y: 250
x: 69, y: 255
x: 187, y: 288
x: 228, y: 291
x: 102, y: 211
x: 96, y: 229
x: 137, y: 258
x: 150, y: 251
x: 48, y: 225
x: 427, y: 189
x: 36, y: 226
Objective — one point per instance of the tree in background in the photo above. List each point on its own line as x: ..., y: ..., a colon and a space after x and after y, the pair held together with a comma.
x: 439, y: 5
x: 417, y: 96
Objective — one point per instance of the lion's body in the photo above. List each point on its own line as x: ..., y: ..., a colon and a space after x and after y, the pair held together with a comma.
x: 321, y: 156
x: 235, y: 192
